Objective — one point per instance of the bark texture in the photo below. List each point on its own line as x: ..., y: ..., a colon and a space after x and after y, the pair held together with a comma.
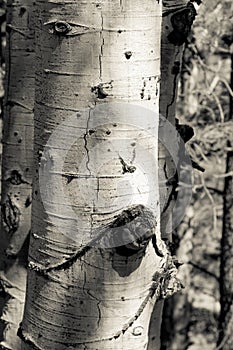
x: 171, y: 56
x: 81, y: 295
x: 226, y: 270
x: 16, y: 166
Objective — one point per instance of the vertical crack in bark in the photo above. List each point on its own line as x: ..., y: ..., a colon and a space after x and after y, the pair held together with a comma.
x: 176, y: 75
x: 101, y: 47
x: 85, y: 143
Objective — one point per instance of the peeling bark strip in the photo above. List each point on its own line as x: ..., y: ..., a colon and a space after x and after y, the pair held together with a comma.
x: 16, y: 164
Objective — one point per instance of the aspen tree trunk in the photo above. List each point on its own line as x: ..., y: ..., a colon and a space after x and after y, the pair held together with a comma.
x: 226, y: 267
x: 171, y: 56
x: 16, y: 166
x: 95, y: 276
x: 173, y: 211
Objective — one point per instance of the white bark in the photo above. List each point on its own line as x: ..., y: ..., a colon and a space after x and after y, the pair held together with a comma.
x: 16, y: 165
x: 89, y: 54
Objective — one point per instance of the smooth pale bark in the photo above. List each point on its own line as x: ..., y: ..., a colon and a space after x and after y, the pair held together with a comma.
x: 90, y: 53
x: 16, y: 165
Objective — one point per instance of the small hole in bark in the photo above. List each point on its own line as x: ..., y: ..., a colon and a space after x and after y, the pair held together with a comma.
x: 133, y: 144
x: 27, y: 169
x: 128, y: 54
x: 119, y: 31
x: 91, y: 132
x: 16, y: 133
x: 108, y: 132
x: 22, y: 11
x: 28, y: 202
x: 20, y: 140
x: 114, y: 125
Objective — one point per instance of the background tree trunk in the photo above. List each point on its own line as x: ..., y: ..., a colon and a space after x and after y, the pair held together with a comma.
x: 226, y: 266
x: 16, y: 166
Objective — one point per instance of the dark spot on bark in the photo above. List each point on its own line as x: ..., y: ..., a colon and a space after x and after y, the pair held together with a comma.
x: 108, y: 132
x: 22, y: 11
x: 27, y: 169
x: 133, y: 144
x: 16, y: 178
x: 100, y: 90
x: 149, y: 97
x: 28, y: 202
x: 91, y: 132
x: 166, y: 27
x: 36, y: 192
x: 20, y: 140
x: 119, y: 31
x: 115, y: 125
x: 69, y: 179
x: 128, y: 54
x: 78, y: 115
x: 16, y: 133
x: 123, y: 298
x: 109, y: 150
x: 176, y: 68
x: 81, y: 302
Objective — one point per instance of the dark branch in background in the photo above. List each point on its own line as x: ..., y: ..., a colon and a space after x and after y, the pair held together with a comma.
x: 202, y: 269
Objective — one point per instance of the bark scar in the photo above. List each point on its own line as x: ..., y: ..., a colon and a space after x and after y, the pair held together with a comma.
x: 10, y: 215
